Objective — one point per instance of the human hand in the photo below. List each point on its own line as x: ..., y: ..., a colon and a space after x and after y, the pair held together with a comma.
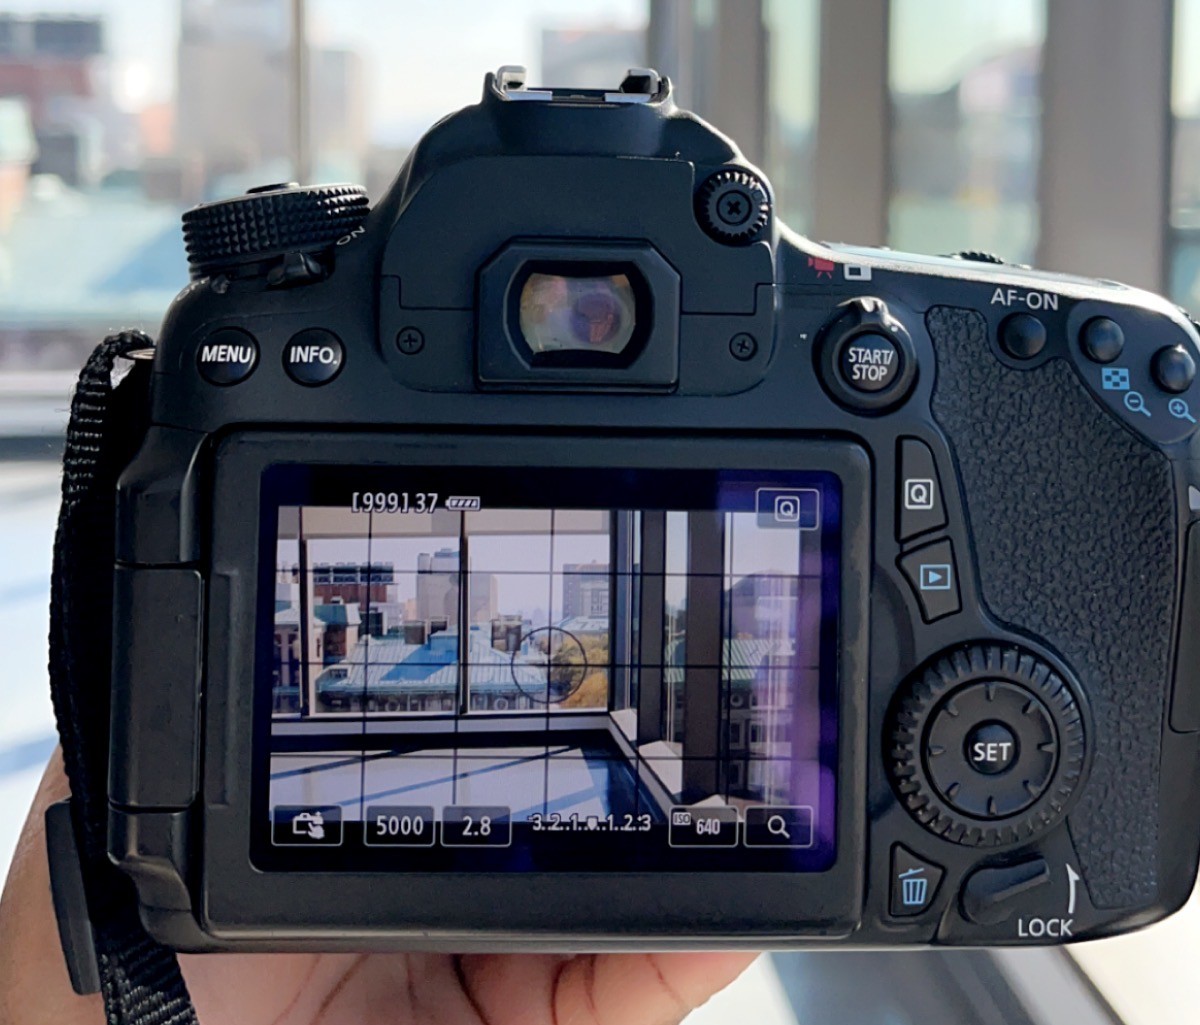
x: 349, y: 989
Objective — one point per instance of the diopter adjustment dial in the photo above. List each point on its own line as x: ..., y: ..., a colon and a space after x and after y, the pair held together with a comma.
x: 270, y: 222
x: 733, y: 206
x: 986, y: 746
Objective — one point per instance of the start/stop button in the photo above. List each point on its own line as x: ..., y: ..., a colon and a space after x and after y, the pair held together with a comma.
x: 870, y: 362
x: 866, y: 358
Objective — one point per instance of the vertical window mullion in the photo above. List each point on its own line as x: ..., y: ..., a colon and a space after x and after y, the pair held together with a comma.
x: 299, y: 105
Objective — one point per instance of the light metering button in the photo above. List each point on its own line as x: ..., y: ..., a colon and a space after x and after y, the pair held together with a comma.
x: 870, y: 362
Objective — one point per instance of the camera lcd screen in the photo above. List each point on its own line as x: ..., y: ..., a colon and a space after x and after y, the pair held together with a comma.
x: 546, y: 669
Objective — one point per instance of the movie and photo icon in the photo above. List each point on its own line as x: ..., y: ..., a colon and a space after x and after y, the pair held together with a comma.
x: 294, y: 826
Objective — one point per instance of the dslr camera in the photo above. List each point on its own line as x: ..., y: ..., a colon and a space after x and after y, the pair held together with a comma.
x: 564, y: 554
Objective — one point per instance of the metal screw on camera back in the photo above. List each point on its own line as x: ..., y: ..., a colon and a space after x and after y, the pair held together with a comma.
x: 410, y: 341
x: 743, y: 346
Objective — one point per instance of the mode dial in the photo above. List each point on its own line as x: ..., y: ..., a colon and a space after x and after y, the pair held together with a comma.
x: 270, y: 222
x: 986, y: 745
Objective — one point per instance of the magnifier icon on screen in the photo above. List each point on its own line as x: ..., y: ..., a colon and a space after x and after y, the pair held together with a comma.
x: 1135, y: 402
x: 1179, y: 409
x: 777, y: 826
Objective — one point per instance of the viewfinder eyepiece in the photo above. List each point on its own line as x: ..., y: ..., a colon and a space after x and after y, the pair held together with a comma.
x: 564, y: 312
x: 578, y: 316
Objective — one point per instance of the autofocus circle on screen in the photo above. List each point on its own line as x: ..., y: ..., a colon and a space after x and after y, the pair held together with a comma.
x: 570, y: 313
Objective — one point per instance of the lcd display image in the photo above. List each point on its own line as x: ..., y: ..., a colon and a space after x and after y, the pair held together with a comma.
x: 499, y: 669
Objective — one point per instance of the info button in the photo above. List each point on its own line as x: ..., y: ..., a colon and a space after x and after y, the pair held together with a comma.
x: 789, y: 827
x: 704, y: 827
x: 313, y: 357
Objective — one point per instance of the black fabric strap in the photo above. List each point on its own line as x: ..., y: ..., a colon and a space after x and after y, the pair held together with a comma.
x: 140, y: 979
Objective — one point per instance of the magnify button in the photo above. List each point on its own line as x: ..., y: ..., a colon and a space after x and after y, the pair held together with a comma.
x: 779, y: 826
x: 1135, y: 402
x: 1179, y: 409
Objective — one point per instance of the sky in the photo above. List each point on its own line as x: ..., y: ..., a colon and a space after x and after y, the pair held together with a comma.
x: 427, y: 57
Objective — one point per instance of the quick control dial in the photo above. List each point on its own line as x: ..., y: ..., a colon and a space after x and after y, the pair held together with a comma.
x: 987, y: 745
x: 268, y: 223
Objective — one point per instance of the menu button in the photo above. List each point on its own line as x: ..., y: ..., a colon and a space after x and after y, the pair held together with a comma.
x: 227, y: 356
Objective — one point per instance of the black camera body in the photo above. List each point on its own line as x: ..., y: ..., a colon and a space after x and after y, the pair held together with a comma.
x: 566, y: 555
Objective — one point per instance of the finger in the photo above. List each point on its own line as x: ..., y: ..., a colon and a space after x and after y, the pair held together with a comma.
x: 514, y: 988
x: 34, y: 987
x: 641, y: 989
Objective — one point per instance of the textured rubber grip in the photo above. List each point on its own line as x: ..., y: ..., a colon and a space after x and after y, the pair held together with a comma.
x: 1073, y: 526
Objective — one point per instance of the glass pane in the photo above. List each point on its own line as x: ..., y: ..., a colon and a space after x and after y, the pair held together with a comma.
x: 382, y: 72
x: 116, y: 116
x: 793, y: 66
x: 966, y: 116
x: 1185, y: 170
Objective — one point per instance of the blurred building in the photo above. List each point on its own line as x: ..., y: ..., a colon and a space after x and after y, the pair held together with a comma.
x: 438, y: 592
x: 233, y: 79
x: 978, y: 137
x: 585, y: 589
x: 590, y: 56
x: 50, y: 64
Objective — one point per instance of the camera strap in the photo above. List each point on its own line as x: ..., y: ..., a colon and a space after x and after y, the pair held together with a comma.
x: 106, y: 946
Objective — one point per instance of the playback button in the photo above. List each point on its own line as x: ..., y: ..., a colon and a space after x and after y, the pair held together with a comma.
x: 932, y: 573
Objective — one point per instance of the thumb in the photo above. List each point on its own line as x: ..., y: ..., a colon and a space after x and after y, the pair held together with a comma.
x: 642, y: 989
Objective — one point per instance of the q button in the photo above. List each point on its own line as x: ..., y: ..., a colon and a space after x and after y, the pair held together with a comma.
x: 313, y: 357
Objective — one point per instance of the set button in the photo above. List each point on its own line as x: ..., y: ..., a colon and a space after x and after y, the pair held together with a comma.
x: 991, y: 748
